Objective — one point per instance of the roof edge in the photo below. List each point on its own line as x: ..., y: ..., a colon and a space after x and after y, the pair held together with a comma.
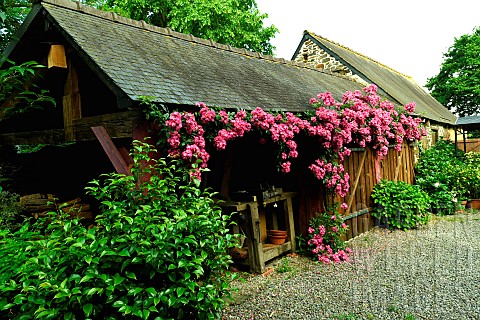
x: 358, y: 54
x: 112, y: 16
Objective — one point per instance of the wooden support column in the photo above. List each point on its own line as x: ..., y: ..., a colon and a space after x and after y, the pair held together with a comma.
x: 255, y: 247
x: 288, y: 208
x: 72, y: 108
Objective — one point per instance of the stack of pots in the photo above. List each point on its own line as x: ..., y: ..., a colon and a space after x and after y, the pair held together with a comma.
x: 277, y: 236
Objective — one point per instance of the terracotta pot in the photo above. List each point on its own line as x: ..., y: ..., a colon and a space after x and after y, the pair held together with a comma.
x: 277, y: 239
x: 474, y: 204
x: 277, y: 232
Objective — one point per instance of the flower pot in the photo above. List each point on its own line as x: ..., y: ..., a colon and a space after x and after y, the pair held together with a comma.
x: 277, y: 232
x: 277, y: 239
x: 474, y: 204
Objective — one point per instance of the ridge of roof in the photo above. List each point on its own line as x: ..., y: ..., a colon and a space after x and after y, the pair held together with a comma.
x: 141, y: 24
x: 357, y: 53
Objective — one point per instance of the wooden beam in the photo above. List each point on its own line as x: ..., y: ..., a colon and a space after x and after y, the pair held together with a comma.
x: 72, y: 108
x: 55, y: 136
x: 57, y: 57
x: 111, y: 150
x: 118, y: 125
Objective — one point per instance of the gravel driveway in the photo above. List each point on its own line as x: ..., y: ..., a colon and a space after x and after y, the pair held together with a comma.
x: 429, y: 273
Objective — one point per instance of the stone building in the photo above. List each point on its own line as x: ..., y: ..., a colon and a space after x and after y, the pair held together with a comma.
x: 321, y: 53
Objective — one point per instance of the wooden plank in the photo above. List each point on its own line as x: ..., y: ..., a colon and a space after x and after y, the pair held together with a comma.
x: 357, y: 178
x: 364, y: 183
x: 276, y: 250
x: 399, y: 163
x: 111, y: 150
x: 354, y: 227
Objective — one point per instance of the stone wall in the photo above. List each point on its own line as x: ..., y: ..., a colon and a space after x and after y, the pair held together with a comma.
x: 315, y: 57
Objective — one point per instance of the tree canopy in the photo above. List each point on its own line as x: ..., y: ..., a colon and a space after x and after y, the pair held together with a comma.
x: 235, y: 22
x: 457, y: 85
x: 12, y: 14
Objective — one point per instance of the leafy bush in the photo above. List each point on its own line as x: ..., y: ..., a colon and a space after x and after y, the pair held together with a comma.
x: 158, y: 251
x: 470, y: 175
x: 10, y: 211
x: 439, y: 173
x: 326, y: 233
x: 401, y: 205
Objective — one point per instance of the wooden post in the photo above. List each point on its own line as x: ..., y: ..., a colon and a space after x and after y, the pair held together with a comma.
x: 290, y: 222
x: 255, y: 247
x: 72, y: 108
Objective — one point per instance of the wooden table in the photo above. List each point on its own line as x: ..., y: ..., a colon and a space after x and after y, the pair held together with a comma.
x: 259, y: 253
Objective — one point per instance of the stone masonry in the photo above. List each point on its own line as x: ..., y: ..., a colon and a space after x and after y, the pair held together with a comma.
x: 315, y: 57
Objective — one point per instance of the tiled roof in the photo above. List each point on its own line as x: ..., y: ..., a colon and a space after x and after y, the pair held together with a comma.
x: 144, y: 60
x: 395, y: 84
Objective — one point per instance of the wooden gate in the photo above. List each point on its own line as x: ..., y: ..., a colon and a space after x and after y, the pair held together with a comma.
x: 366, y: 170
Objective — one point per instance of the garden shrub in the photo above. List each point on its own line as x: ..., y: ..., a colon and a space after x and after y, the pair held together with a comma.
x: 401, y: 205
x: 10, y: 211
x: 469, y: 176
x: 440, y: 173
x: 158, y: 250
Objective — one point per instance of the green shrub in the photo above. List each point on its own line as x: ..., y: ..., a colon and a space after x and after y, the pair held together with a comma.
x: 401, y: 205
x: 158, y: 251
x: 10, y: 211
x: 470, y: 175
x: 439, y: 173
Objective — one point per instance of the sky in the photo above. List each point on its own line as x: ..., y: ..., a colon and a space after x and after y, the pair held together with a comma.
x: 409, y: 36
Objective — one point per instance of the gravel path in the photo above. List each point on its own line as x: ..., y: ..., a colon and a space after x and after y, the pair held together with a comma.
x: 429, y: 273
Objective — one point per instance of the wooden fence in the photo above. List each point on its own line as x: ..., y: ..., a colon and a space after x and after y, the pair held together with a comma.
x: 469, y: 145
x: 366, y: 170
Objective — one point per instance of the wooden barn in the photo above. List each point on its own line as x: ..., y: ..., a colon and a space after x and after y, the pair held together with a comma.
x: 100, y: 65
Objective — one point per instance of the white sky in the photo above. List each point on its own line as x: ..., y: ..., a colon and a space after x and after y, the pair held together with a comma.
x: 409, y: 36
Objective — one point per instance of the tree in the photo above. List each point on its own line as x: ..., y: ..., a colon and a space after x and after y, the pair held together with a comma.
x: 12, y: 14
x: 457, y: 85
x: 235, y: 22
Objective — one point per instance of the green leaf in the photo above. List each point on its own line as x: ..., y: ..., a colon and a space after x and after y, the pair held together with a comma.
x: 180, y: 291
x: 117, y: 279
x: 118, y: 304
x: 151, y: 291
x: 88, y: 308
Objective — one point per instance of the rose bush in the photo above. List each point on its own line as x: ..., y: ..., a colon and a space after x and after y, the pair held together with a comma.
x: 359, y: 119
